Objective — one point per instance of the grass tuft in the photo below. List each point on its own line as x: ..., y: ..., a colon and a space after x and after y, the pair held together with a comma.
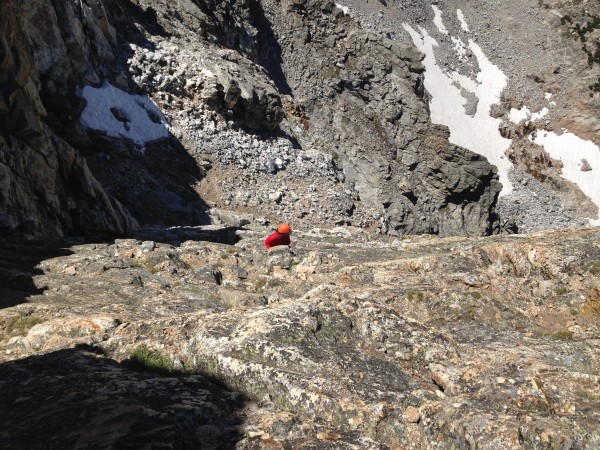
x: 146, y: 360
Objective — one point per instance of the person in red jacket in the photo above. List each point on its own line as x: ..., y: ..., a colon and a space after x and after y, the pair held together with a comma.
x: 281, y: 236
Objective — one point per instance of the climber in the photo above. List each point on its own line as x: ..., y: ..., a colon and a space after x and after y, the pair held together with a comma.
x: 281, y: 236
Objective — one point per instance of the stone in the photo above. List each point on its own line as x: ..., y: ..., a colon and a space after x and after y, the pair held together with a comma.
x: 412, y: 414
x: 148, y: 246
x: 585, y: 166
x: 234, y: 299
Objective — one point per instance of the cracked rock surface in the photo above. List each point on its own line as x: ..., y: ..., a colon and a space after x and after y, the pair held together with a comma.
x: 348, y: 340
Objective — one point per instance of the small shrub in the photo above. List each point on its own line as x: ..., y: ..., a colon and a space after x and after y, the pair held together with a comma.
x: 594, y: 268
x: 561, y: 290
x: 150, y: 267
x: 214, y: 297
x: 260, y: 283
x: 415, y: 294
x: 19, y: 326
x: 148, y: 360
x: 563, y: 335
x: 585, y: 394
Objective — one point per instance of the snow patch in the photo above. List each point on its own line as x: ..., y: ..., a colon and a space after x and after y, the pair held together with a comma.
x: 479, y: 132
x: 571, y: 151
x: 344, y: 9
x: 517, y: 115
x: 437, y: 20
x: 122, y: 115
x: 463, y: 23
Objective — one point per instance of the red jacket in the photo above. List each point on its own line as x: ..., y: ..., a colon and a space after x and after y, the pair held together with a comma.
x: 276, y: 239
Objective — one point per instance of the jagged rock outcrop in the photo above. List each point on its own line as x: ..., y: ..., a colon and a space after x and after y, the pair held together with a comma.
x: 350, y: 96
x: 363, y: 96
x: 352, y: 342
x: 359, y: 97
x: 47, y: 189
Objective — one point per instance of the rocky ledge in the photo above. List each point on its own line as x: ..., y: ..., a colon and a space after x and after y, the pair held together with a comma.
x: 349, y: 340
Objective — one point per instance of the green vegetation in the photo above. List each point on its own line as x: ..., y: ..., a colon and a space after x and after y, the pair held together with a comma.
x: 148, y: 360
x: 561, y: 290
x: 563, y: 335
x: 415, y: 294
x: 594, y: 268
x: 214, y: 297
x: 260, y: 284
x: 586, y: 394
x: 150, y: 266
x: 476, y: 295
x: 19, y: 326
x: 590, y: 24
x: 485, y: 259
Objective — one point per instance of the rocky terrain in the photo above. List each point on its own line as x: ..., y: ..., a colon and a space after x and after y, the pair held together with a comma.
x: 147, y: 148
x: 311, y: 111
x: 345, y: 341
x: 544, y: 47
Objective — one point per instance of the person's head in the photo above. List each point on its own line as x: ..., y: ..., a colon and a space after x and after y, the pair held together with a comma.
x: 284, y: 228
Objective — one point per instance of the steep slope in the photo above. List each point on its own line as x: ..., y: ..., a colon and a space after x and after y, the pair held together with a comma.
x: 297, y: 104
x: 350, y: 341
x: 46, y: 189
x: 515, y: 81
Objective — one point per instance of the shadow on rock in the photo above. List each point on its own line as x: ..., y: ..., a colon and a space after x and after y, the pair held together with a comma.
x: 179, y: 234
x: 78, y: 398
x: 156, y: 185
x: 18, y: 265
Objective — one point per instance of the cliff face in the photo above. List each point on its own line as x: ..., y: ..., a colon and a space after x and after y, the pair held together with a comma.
x: 284, y: 79
x: 47, y: 189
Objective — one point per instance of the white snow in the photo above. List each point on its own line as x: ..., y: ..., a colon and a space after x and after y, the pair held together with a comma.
x: 540, y: 114
x: 437, y: 20
x: 571, y: 150
x: 141, y: 120
x: 516, y: 115
x: 344, y: 9
x: 463, y: 23
x: 478, y: 133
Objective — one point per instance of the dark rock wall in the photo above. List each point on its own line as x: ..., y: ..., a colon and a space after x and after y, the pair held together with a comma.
x: 365, y: 100
x: 349, y: 93
x: 46, y: 188
x: 360, y: 97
